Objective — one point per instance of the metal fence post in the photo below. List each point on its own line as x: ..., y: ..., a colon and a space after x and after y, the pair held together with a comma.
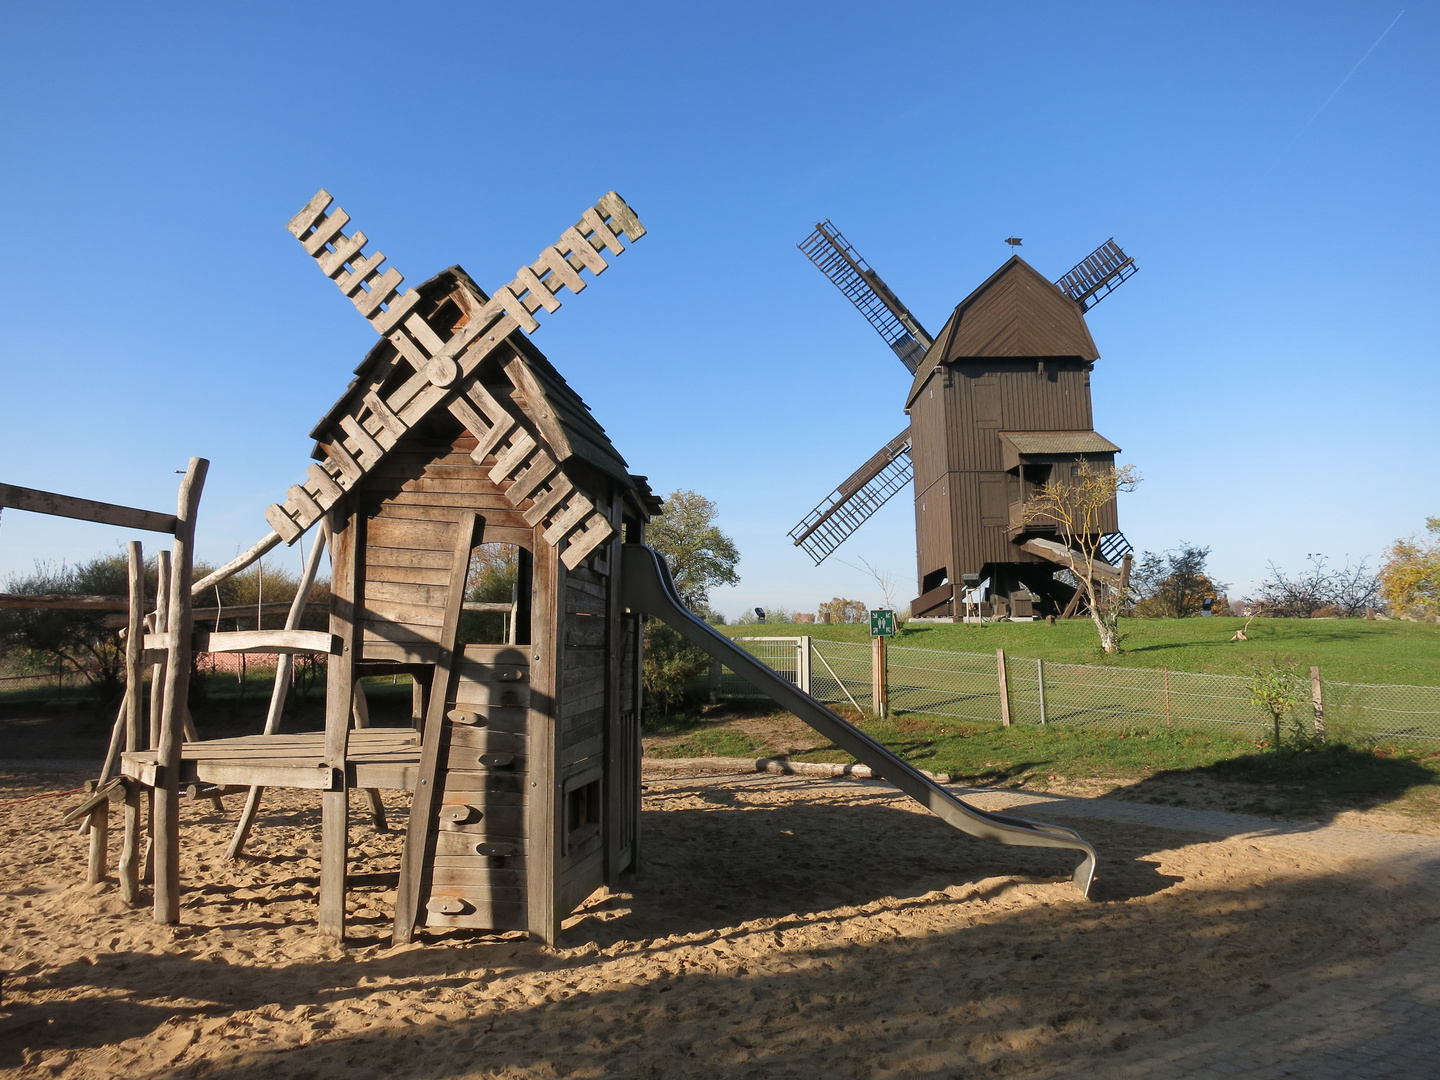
x: 714, y: 681
x: 1040, y: 675
x: 877, y: 676
x: 802, y: 663
x: 1317, y: 702
x: 1004, y: 688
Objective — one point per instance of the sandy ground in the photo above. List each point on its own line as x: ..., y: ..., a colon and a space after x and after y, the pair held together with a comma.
x: 782, y: 928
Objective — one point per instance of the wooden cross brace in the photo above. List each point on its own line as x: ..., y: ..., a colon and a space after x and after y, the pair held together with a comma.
x: 445, y: 368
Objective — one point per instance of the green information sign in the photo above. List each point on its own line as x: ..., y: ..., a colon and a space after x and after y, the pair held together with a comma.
x: 882, y: 623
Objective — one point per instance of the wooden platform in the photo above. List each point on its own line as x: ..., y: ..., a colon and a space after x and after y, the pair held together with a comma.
x: 378, y: 758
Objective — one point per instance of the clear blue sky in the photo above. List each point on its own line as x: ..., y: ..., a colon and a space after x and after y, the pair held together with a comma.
x: 1271, y: 370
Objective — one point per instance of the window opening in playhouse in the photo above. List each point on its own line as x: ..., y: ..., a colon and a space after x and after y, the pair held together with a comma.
x: 497, y: 595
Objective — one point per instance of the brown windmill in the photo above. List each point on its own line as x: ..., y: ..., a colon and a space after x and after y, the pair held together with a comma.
x: 999, y: 406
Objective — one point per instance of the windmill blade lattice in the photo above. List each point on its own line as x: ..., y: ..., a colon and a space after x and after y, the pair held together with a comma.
x: 1094, y: 277
x: 844, y: 266
x: 856, y: 500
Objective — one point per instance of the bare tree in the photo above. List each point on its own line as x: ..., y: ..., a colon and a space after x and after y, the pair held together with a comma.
x: 1348, y: 590
x: 885, y: 582
x: 1078, y: 507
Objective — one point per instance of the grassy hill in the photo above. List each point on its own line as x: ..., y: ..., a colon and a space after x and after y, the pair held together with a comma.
x: 1347, y: 650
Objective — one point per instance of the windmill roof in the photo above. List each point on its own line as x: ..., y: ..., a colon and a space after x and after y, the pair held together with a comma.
x: 1015, y: 312
x: 1059, y: 442
x: 585, y: 437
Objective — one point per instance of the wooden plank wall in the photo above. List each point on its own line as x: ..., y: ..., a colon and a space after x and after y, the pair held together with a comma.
x: 580, y: 734
x: 479, y: 872
x: 415, y: 497
x: 962, y: 490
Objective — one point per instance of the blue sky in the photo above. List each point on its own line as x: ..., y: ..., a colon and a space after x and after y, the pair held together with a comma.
x: 1270, y: 370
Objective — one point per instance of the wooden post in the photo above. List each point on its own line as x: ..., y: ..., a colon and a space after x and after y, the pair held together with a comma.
x: 1317, y: 702
x: 177, y: 687
x: 542, y: 813
x: 129, y: 868
x: 802, y: 663
x: 414, y: 858
x: 361, y: 711
x: 157, y: 697
x: 879, y: 691
x: 346, y: 548
x: 1040, y: 676
x: 283, y: 668
x: 99, y: 842
x: 616, y: 750
x: 162, y: 620
x: 1004, y: 687
x: 717, y: 672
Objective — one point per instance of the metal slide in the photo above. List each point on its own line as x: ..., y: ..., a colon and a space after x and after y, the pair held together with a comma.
x: 647, y: 588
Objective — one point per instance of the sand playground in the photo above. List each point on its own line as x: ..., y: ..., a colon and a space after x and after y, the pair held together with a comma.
x: 783, y: 927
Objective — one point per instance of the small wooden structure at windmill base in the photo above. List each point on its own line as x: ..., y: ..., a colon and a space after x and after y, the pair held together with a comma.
x: 523, y: 763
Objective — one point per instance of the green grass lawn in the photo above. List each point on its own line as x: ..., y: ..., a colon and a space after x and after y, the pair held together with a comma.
x: 1347, y: 650
x: 1178, y: 766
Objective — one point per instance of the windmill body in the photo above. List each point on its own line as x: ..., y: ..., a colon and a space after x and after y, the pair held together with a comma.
x: 999, y: 407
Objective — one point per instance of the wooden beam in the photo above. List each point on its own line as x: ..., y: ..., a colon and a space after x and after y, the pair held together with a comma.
x: 177, y: 688
x: 542, y: 810
x: 103, y: 793
x: 262, y: 641
x: 60, y: 602
x: 47, y: 502
x: 347, y: 546
x: 417, y: 837
x: 1072, y: 560
x: 129, y: 866
x: 282, y: 686
x: 240, y: 562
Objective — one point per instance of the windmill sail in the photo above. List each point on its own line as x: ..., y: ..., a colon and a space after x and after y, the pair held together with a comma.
x: 1095, y: 276
x: 843, y: 265
x: 851, y: 504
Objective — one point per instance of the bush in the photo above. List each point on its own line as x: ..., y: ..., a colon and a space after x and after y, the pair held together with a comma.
x: 670, y: 663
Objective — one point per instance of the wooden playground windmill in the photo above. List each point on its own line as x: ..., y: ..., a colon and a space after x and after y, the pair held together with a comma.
x: 999, y: 405
x: 523, y: 761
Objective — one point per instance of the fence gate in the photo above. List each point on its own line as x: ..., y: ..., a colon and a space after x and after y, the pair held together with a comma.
x: 788, y: 656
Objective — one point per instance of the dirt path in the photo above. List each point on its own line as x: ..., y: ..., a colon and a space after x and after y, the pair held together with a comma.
x: 782, y: 927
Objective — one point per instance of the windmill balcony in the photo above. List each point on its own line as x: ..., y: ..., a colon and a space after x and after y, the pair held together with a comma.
x: 1019, y: 527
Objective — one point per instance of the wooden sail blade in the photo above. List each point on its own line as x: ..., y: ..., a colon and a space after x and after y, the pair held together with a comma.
x: 856, y: 500
x: 445, y: 365
x: 1094, y: 277
x: 851, y: 274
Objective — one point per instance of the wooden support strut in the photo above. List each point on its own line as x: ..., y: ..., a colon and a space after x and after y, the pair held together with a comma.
x: 129, y: 867
x: 282, y: 686
x: 346, y: 550
x: 417, y: 837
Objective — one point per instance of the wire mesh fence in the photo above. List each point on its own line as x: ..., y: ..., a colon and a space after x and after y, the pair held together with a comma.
x: 969, y: 686
x: 963, y: 685
x: 840, y: 674
x: 783, y: 655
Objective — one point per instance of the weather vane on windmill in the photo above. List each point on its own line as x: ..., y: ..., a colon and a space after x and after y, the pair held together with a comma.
x: 1014, y: 242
